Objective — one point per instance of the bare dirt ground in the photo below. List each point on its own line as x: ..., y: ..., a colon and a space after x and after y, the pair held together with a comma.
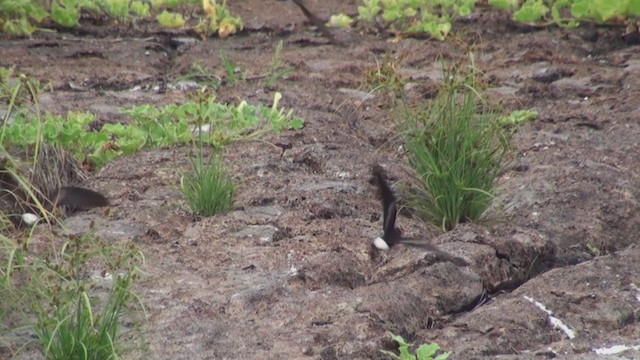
x: 288, y: 273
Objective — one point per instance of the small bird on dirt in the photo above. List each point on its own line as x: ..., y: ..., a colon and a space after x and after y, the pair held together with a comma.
x: 391, y: 235
x: 72, y: 198
x: 37, y: 182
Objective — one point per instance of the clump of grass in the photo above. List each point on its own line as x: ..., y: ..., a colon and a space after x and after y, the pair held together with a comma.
x: 455, y: 147
x: 75, y: 330
x: 51, y: 294
x: 208, y: 189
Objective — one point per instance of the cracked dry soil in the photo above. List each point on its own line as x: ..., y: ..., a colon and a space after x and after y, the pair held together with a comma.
x: 288, y: 274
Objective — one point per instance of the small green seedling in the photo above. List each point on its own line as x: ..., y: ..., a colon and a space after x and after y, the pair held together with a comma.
x: 233, y: 71
x: 423, y: 352
x: 202, y: 76
x: 277, y: 70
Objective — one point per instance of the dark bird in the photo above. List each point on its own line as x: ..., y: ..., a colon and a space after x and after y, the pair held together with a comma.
x: 77, y: 197
x: 70, y: 198
x: 22, y: 210
x: 391, y: 235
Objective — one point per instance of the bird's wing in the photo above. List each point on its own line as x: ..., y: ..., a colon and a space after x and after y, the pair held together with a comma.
x: 389, y: 205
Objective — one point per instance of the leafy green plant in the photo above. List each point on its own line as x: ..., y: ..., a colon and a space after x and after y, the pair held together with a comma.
x: 171, y: 20
x: 18, y: 16
x: 75, y: 331
x: 277, y: 70
x: 423, y: 352
x: 417, y: 16
x: 569, y: 13
x: 150, y: 127
x: 218, y: 19
x: 341, y: 21
x: 518, y: 117
x: 455, y: 147
x: 435, y: 17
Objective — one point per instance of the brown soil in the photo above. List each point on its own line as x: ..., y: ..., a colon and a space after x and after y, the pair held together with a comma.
x: 288, y: 273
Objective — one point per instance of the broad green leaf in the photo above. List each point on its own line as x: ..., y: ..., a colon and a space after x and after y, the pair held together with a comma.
x: 369, y: 10
x: 531, y: 11
x: 140, y: 9
x: 341, y: 20
x: 297, y: 123
x: 607, y: 9
x: 581, y: 9
x: 504, y: 4
x: 426, y: 351
x: 633, y: 7
x: 444, y: 356
x: 66, y: 15
x: 37, y: 12
x: 118, y: 9
x: 464, y: 11
x: 170, y: 19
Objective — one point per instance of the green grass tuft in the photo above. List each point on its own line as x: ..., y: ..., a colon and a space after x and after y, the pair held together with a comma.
x: 456, y: 148
x: 209, y: 189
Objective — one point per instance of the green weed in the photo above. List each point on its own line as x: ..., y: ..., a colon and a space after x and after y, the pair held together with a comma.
x: 72, y: 320
x: 208, y: 189
x: 423, y: 352
x: 455, y: 147
x: 385, y: 76
x: 18, y: 16
x: 435, y: 17
x: 232, y: 70
x: 149, y: 127
x: 569, y: 13
x: 277, y: 70
x: 202, y: 76
x: 218, y: 19
x: 417, y: 16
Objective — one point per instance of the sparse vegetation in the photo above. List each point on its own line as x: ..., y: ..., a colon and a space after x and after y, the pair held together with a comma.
x: 435, y: 17
x: 208, y: 189
x: 73, y: 320
x: 150, y: 127
x: 384, y: 76
x: 23, y: 17
x: 423, y: 352
x: 456, y: 147
x: 203, y: 76
x: 232, y: 70
x: 218, y: 19
x: 277, y: 70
